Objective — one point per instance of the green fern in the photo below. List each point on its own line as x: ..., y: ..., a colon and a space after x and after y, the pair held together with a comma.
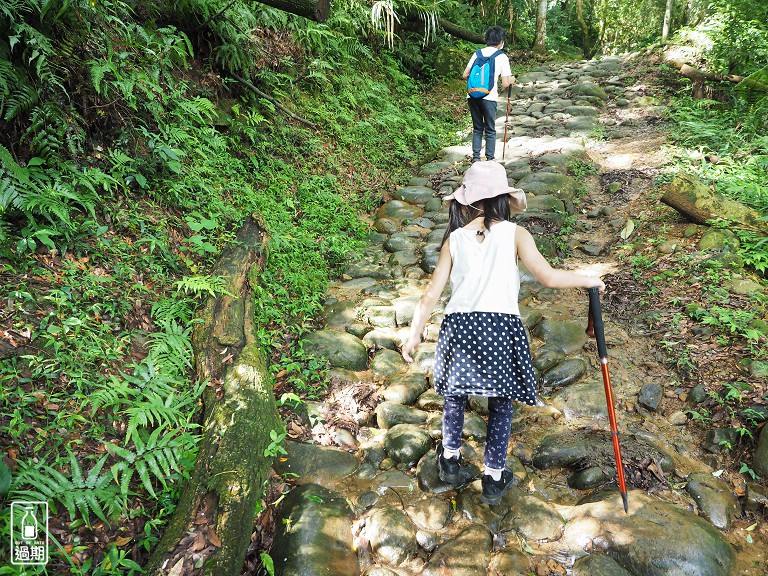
x: 159, y: 455
x: 21, y: 99
x: 170, y: 350
x: 153, y: 410
x: 174, y: 309
x: 98, y: 69
x: 8, y: 194
x: 47, y: 130
x: 112, y: 394
x: 13, y: 9
x: 50, y: 202
x: 126, y: 389
x: 80, y: 495
x: 203, y: 285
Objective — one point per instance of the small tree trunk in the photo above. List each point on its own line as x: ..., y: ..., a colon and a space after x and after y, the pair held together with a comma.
x: 540, y: 43
x: 603, y: 19
x: 667, y: 22
x: 512, y: 38
x: 584, y: 30
x: 213, y: 521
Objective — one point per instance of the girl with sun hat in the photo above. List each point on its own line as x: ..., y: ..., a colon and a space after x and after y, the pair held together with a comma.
x: 482, y: 347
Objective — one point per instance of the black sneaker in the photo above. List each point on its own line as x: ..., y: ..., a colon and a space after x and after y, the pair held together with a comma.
x: 447, y: 468
x: 493, y: 490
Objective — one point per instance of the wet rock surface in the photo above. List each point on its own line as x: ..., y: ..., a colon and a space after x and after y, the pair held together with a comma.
x: 564, y: 514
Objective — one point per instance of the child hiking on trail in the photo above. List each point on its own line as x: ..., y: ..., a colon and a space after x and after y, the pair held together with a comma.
x: 483, y: 108
x: 482, y: 348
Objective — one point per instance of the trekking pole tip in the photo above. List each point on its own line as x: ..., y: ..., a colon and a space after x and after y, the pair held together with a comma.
x: 626, y: 502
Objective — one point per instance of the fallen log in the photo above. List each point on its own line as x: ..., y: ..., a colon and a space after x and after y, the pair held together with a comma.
x: 699, y: 203
x: 213, y: 521
x: 317, y: 10
x: 698, y: 78
x: 459, y: 32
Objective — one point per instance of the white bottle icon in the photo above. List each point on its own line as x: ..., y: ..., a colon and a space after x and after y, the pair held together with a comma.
x: 29, y: 525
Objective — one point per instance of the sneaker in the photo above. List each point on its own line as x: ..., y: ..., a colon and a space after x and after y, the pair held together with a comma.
x: 447, y: 468
x: 493, y: 490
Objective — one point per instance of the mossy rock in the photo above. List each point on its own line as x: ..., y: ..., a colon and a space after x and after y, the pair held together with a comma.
x: 450, y: 62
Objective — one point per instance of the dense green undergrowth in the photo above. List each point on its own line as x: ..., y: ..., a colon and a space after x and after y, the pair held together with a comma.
x: 130, y: 157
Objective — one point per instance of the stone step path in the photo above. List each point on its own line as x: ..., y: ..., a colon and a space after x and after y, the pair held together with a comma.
x: 373, y: 504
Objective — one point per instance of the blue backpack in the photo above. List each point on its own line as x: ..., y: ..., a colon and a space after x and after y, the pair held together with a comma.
x: 482, y: 75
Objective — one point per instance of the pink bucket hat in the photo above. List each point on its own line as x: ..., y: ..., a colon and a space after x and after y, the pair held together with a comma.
x: 485, y: 180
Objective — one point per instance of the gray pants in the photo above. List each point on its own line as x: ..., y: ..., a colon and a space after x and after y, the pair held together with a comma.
x: 483, y: 114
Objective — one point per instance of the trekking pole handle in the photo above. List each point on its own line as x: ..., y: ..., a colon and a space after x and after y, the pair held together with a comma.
x: 595, y: 327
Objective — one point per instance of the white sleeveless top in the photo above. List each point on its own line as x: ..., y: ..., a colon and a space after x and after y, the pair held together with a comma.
x: 484, y: 275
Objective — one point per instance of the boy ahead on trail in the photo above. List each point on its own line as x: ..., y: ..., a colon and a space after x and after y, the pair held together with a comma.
x: 482, y: 348
x: 483, y: 108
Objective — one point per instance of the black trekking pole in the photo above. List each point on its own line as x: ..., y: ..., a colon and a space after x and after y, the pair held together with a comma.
x: 506, y: 121
x: 595, y: 330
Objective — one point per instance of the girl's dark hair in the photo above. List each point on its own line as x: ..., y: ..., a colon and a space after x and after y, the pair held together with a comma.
x: 494, y: 209
x: 494, y: 36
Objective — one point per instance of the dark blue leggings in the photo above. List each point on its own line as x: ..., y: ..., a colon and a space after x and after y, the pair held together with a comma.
x: 499, y: 426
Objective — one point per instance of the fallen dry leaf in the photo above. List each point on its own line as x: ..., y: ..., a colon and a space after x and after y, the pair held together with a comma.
x: 177, y: 568
x: 213, y: 539
x: 122, y: 541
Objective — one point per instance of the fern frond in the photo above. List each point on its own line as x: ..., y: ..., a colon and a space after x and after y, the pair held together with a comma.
x: 171, y: 349
x: 12, y: 10
x: 170, y: 309
x: 159, y: 454
x: 20, y: 101
x: 112, y: 394
x: 203, y: 285
x: 147, y: 379
x: 47, y: 130
x: 80, y: 496
x: 153, y: 411
x: 8, y: 194
x: 49, y: 203
x: 98, y: 69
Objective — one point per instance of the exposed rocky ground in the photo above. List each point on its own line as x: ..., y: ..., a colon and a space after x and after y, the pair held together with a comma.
x: 584, y: 142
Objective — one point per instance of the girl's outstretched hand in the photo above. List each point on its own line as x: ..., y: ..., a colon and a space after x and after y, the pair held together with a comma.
x: 409, y: 346
x: 596, y: 282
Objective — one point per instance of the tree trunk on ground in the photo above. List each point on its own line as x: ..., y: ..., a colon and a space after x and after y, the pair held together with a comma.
x: 698, y: 77
x: 667, y: 22
x: 540, y: 43
x: 213, y: 521
x: 316, y: 10
x: 699, y: 203
x: 459, y: 32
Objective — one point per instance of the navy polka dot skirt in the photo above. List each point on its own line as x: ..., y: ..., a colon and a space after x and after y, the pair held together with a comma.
x: 484, y: 354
